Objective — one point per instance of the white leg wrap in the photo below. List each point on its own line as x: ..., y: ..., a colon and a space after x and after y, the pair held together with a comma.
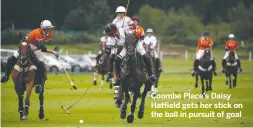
x: 116, y: 89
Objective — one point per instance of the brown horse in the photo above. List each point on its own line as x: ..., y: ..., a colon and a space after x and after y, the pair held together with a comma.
x: 23, y: 77
x: 156, y: 65
x: 133, y: 75
x: 102, y: 68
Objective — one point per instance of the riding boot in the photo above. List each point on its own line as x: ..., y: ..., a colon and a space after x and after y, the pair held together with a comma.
x: 159, y: 64
x: 148, y: 64
x: 97, y: 59
x: 111, y: 61
x: 223, y: 64
x: 195, y: 66
x: 239, y: 65
x: 12, y: 60
x: 39, y: 76
x: 118, y: 61
x: 214, y: 67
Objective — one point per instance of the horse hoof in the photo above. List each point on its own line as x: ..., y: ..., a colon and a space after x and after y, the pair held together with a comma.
x: 130, y: 118
x: 226, y: 82
x: 118, y: 103
x: 140, y: 114
x: 123, y: 114
x: 25, y: 117
x: 94, y: 82
x: 41, y: 115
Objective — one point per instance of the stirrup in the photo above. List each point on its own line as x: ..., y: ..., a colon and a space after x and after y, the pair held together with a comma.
x: 38, y: 88
x: 117, y: 82
x: 193, y: 73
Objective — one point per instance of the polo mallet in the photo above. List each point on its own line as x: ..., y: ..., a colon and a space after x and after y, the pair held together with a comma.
x: 71, y: 82
x: 67, y: 109
x: 126, y: 12
x: 168, y: 39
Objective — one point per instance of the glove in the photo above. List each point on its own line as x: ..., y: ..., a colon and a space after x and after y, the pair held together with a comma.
x: 56, y: 54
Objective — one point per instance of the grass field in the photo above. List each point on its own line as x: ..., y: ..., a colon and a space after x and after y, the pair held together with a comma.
x: 97, y: 106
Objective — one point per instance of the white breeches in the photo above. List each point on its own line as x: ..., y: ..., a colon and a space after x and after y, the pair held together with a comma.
x: 200, y: 54
x: 227, y: 54
x: 139, y: 49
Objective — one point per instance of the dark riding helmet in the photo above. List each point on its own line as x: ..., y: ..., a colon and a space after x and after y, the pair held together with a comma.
x: 110, y: 29
x: 135, y: 18
x: 206, y: 33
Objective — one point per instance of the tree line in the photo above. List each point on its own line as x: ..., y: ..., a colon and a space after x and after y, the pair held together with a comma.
x: 185, y: 18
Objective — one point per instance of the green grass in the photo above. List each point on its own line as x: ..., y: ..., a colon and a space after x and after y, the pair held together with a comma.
x: 97, y: 106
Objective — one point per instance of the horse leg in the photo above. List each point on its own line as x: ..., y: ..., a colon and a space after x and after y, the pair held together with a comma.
x: 124, y: 106
x: 207, y: 85
x: 41, y: 114
x: 226, y: 78
x: 130, y: 117
x: 197, y: 79
x: 143, y: 97
x: 230, y: 82
x: 210, y: 83
x: 20, y: 93
x: 203, y: 86
x: 156, y: 87
x: 95, y: 77
x: 102, y: 82
x: 29, y: 87
x: 118, y: 102
x: 234, y: 80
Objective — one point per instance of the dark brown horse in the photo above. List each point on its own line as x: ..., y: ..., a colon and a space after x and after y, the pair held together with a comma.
x: 133, y: 75
x: 205, y: 71
x: 102, y: 68
x: 23, y: 77
x: 231, y: 68
x: 156, y: 65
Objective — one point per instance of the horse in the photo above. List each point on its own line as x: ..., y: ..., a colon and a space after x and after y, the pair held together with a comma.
x: 231, y: 68
x: 102, y: 68
x: 133, y: 75
x: 205, y: 71
x: 23, y: 76
x: 156, y: 65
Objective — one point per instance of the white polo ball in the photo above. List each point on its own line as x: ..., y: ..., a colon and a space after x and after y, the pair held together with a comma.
x: 80, y: 121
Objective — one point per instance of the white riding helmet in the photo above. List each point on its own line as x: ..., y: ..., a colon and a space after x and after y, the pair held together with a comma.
x: 120, y: 9
x: 150, y: 30
x: 231, y: 36
x: 45, y: 24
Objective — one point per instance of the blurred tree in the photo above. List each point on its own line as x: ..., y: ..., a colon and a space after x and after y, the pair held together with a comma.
x: 241, y: 20
x: 89, y: 16
x: 152, y: 18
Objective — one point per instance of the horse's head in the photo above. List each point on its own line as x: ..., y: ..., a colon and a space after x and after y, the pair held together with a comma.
x: 24, y: 51
x: 231, y: 57
x: 207, y: 54
x: 130, y: 41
